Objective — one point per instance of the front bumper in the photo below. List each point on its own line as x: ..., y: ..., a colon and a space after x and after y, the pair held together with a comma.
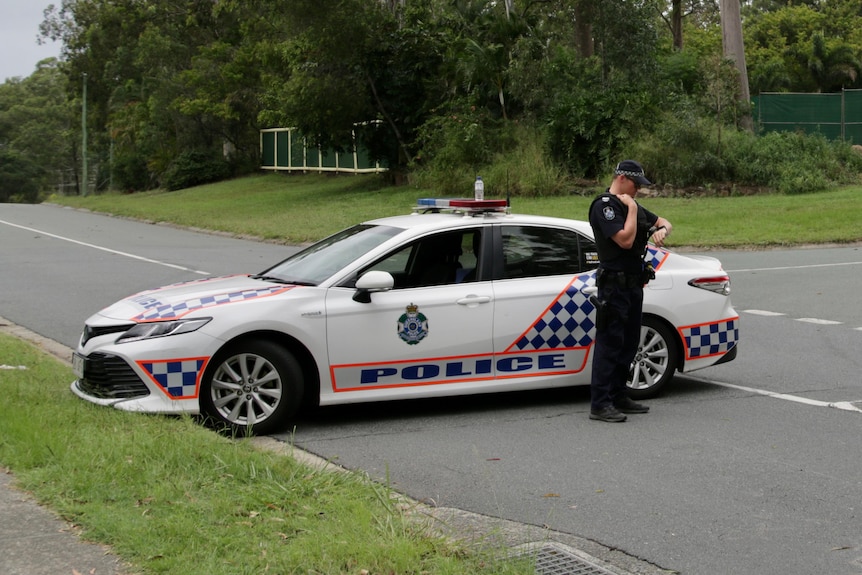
x: 111, y: 378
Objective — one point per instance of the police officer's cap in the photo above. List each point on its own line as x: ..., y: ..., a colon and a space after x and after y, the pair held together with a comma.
x: 632, y: 170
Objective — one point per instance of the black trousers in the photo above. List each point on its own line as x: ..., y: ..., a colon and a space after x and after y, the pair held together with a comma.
x: 616, y: 343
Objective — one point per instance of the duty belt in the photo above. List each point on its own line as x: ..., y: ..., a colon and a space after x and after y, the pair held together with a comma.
x: 606, y: 278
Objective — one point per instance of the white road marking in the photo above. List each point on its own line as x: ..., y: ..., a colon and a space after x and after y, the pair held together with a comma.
x: 795, y: 267
x: 763, y: 312
x: 802, y: 319
x: 109, y: 250
x: 813, y: 320
x: 842, y: 405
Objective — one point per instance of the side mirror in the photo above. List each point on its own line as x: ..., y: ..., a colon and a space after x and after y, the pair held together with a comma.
x: 373, y: 281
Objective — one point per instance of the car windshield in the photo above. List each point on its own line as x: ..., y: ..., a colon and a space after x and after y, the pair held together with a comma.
x: 321, y: 260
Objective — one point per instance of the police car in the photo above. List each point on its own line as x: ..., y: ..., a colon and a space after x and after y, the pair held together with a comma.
x: 459, y: 297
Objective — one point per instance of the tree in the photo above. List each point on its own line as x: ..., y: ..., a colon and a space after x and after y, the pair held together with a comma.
x: 833, y: 64
x: 37, y: 133
x: 351, y: 65
x: 164, y: 77
x: 182, y: 87
x: 798, y: 48
x: 682, y: 10
x: 734, y: 50
x: 19, y: 178
x: 676, y: 23
x: 584, y: 13
x: 484, y: 52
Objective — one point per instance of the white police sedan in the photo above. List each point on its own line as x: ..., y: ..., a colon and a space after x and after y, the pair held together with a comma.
x: 460, y: 297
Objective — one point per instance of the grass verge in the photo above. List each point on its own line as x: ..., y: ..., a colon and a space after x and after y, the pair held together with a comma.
x: 170, y: 496
x: 299, y: 209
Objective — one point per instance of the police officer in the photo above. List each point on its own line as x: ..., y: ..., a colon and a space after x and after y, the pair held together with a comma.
x: 622, y: 229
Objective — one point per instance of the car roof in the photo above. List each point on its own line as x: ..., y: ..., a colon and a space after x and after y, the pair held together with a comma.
x: 422, y: 222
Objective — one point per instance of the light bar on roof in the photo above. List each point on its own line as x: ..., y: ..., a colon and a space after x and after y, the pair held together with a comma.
x: 463, y: 204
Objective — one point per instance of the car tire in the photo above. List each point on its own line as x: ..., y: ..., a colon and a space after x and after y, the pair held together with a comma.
x: 252, y: 387
x: 656, y: 360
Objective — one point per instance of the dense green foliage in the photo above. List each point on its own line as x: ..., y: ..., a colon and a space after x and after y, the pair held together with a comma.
x: 193, y: 168
x: 687, y: 151
x: 39, y: 144
x: 537, y: 94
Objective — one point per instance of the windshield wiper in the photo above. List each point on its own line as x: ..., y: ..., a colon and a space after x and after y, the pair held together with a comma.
x: 276, y: 280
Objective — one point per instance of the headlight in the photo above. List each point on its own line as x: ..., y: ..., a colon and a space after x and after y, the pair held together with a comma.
x: 150, y: 330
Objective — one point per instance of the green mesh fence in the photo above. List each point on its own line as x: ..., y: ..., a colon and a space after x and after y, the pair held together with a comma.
x: 837, y: 116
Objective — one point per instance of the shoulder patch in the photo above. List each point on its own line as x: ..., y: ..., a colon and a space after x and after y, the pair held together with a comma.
x: 609, y: 213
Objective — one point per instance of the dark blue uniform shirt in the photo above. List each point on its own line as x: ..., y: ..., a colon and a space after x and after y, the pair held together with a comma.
x: 607, y: 217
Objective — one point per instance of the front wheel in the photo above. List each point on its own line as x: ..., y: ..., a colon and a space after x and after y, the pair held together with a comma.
x: 656, y: 360
x: 252, y: 387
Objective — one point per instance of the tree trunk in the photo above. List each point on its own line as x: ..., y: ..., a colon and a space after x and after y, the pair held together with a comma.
x: 731, y: 39
x: 676, y: 24
x: 584, y: 28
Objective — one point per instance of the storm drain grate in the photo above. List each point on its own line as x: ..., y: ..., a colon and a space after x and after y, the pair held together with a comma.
x: 553, y: 559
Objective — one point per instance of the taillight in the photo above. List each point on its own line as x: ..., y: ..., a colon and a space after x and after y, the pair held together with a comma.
x: 717, y: 284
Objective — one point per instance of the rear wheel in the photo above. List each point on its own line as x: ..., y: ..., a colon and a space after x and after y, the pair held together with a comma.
x: 656, y: 360
x: 252, y: 387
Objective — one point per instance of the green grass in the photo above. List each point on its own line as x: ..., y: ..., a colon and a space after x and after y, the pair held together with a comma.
x: 172, y: 497
x: 299, y: 209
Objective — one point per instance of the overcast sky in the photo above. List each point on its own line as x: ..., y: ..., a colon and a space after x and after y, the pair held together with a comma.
x: 19, y: 29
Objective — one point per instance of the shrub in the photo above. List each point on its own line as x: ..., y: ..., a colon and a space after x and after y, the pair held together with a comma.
x: 463, y: 136
x: 594, y: 115
x: 526, y: 168
x: 588, y: 128
x: 682, y: 151
x: 592, y: 130
x: 130, y: 172
x: 687, y: 150
x: 516, y: 164
x: 20, y: 178
x: 455, y: 146
x: 792, y: 162
x: 193, y: 168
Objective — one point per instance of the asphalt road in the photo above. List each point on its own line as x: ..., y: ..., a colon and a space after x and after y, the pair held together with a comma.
x: 750, y: 467
x: 59, y: 265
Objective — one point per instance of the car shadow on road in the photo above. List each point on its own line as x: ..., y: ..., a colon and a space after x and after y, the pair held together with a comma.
x: 574, y: 399
x: 568, y: 398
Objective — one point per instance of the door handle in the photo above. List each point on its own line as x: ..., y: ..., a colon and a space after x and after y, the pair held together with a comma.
x: 473, y: 300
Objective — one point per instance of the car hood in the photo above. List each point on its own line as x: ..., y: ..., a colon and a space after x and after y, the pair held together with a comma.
x: 177, y: 300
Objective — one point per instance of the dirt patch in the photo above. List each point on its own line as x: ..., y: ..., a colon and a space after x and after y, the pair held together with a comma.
x: 713, y: 191
x: 726, y: 190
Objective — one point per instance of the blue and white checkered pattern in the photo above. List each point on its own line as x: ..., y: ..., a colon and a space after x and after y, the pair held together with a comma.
x: 656, y: 256
x: 167, y: 311
x: 710, y: 339
x: 177, y: 378
x: 565, y: 324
